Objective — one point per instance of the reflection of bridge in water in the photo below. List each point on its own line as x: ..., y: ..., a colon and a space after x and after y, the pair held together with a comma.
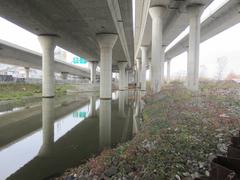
x: 66, y: 141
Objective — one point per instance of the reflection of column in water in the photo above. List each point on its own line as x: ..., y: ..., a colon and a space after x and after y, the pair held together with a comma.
x: 126, y: 97
x: 92, y: 112
x: 48, y: 116
x: 105, y: 124
x: 121, y: 103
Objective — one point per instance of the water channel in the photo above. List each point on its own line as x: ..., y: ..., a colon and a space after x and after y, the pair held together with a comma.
x: 42, y: 140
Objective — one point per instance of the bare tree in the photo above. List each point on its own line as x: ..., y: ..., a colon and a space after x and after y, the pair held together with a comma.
x: 221, y: 66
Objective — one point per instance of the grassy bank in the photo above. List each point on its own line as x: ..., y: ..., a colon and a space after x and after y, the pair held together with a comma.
x: 19, y: 91
x: 181, y: 133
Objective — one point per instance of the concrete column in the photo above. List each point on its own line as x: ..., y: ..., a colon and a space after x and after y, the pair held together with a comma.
x: 47, y: 43
x: 162, y: 64
x: 150, y: 70
x: 92, y: 112
x: 193, y: 52
x: 168, y: 71
x: 138, y: 72
x: 48, y: 116
x: 106, y: 43
x: 93, y: 67
x: 105, y: 123
x: 64, y: 75
x: 157, y: 51
x: 27, y: 69
x: 144, y: 64
x: 126, y: 78
x: 122, y: 73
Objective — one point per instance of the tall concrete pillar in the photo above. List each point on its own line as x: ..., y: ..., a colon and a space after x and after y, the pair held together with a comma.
x: 156, y: 14
x: 106, y: 43
x: 64, y: 75
x: 105, y: 123
x: 93, y: 67
x: 48, y: 116
x: 122, y: 73
x: 193, y: 52
x: 138, y: 72
x: 92, y: 112
x: 150, y: 70
x: 162, y: 64
x: 47, y: 43
x: 144, y: 64
x: 121, y: 102
x: 27, y: 69
x: 168, y: 71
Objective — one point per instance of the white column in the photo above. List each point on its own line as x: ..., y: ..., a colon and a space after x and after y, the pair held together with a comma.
x: 168, y: 71
x: 138, y: 72
x: 144, y: 64
x: 93, y: 66
x: 92, y: 112
x: 150, y: 70
x: 122, y: 66
x: 121, y: 103
x: 193, y: 52
x: 162, y: 64
x: 47, y: 43
x: 64, y: 75
x: 106, y: 43
x: 27, y: 72
x: 157, y: 51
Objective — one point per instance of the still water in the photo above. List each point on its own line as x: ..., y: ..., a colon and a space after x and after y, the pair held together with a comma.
x: 43, y: 141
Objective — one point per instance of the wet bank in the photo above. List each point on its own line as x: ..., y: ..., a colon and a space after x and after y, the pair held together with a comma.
x: 180, y: 135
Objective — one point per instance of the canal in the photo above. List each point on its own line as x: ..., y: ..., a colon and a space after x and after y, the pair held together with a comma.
x: 42, y: 140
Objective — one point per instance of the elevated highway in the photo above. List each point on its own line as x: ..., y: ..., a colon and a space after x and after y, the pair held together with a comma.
x: 19, y: 56
x: 222, y: 19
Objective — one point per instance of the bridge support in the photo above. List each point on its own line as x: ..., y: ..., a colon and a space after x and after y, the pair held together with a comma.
x: 93, y: 71
x: 126, y: 78
x: 122, y: 73
x: 150, y: 70
x: 138, y: 72
x: 143, y: 71
x: 47, y: 43
x: 27, y: 70
x: 168, y: 71
x: 92, y: 112
x: 64, y: 75
x: 193, y: 52
x: 157, y: 50
x: 106, y: 43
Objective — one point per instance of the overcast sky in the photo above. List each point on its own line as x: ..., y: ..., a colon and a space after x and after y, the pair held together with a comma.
x: 224, y: 44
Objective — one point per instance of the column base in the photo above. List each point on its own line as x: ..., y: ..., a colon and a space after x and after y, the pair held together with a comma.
x: 48, y: 96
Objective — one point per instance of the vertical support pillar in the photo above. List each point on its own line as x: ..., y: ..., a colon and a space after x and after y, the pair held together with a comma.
x: 27, y: 69
x: 194, y: 42
x: 126, y: 78
x: 168, y: 71
x: 156, y: 13
x: 162, y: 64
x: 106, y: 43
x: 93, y: 67
x: 143, y: 71
x: 64, y: 75
x: 92, y: 112
x: 122, y: 66
x: 138, y: 72
x: 47, y: 43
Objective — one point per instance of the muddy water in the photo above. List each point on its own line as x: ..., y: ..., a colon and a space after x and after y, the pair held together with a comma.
x: 43, y: 141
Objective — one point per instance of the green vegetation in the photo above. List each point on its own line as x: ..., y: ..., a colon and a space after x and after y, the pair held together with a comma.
x: 19, y: 91
x: 180, y: 134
